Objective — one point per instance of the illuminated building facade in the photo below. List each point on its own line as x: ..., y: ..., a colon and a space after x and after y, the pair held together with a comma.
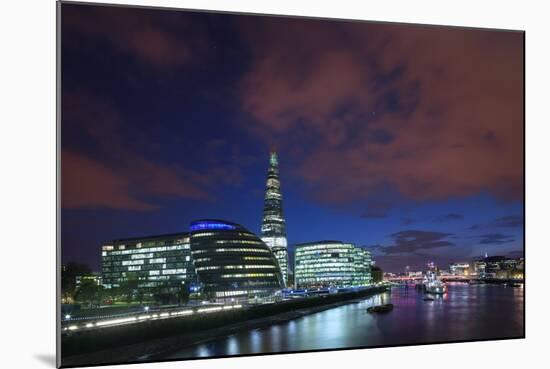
x: 233, y: 263
x: 273, y: 228
x: 460, y: 268
x: 499, y: 267
x: 281, y: 254
x: 154, y: 261
x: 478, y: 268
x: 331, y: 264
x: 362, y: 262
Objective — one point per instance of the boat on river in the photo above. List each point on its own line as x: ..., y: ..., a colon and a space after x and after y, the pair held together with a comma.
x: 433, y: 285
x: 386, y: 308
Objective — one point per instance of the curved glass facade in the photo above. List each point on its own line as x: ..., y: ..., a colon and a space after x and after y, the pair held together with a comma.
x: 232, y: 262
x: 331, y: 264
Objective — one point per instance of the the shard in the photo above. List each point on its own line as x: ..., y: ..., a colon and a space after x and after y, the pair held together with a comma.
x: 273, y: 222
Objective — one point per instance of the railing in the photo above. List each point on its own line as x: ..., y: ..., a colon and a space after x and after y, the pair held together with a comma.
x: 88, y: 323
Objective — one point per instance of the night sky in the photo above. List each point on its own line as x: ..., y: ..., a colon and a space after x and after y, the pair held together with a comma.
x: 404, y: 139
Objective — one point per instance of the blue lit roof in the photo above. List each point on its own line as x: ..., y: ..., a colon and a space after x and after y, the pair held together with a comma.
x: 211, y: 225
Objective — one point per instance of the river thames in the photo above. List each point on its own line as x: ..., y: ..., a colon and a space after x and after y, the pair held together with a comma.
x: 466, y: 312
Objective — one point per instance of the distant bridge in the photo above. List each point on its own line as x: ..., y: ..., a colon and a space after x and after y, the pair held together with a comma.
x: 451, y: 278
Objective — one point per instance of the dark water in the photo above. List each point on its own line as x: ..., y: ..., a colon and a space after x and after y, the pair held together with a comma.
x: 464, y: 313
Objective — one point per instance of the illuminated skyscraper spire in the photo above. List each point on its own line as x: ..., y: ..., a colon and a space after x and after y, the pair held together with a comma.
x: 273, y: 222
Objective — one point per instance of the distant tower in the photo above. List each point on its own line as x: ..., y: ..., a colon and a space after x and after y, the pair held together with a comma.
x: 486, y: 255
x: 273, y: 222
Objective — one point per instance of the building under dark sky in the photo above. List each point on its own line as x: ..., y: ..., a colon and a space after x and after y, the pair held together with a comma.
x: 273, y: 228
x: 405, y: 139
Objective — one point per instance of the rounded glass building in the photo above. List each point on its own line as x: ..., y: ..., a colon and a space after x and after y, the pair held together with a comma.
x: 233, y: 263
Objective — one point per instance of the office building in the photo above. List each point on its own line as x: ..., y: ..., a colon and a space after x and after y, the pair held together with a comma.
x: 459, y: 269
x: 153, y: 261
x: 233, y: 263
x: 331, y: 264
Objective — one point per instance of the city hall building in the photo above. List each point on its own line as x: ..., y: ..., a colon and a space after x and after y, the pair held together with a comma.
x: 163, y: 260
x: 331, y: 264
x: 233, y: 263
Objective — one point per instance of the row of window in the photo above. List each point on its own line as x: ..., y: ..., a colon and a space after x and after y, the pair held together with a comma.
x: 318, y: 271
x: 169, y: 255
x: 237, y: 242
x: 236, y: 249
x: 215, y: 267
x: 108, y: 267
x: 207, y: 234
x: 140, y: 276
x: 149, y: 249
x: 248, y: 275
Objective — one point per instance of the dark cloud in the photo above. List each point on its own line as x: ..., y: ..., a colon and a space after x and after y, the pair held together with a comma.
x: 412, y: 241
x: 510, y: 221
x: 407, y: 221
x: 381, y: 136
x: 495, y: 239
x: 89, y: 183
x: 153, y: 38
x: 451, y: 217
x: 432, y: 113
x: 119, y: 176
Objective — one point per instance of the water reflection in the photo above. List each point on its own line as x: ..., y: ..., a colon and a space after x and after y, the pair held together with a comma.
x: 464, y: 313
x: 232, y: 345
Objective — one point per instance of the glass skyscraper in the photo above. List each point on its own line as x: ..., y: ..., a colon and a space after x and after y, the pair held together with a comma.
x: 273, y: 229
x: 331, y: 264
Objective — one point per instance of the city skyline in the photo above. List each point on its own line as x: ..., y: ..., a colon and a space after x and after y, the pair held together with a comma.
x: 399, y: 160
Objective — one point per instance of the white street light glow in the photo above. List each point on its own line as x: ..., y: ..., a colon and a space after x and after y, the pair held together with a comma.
x: 136, y: 319
x: 116, y: 321
x: 209, y: 310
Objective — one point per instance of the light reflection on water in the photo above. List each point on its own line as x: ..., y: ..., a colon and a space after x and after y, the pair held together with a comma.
x: 464, y: 313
